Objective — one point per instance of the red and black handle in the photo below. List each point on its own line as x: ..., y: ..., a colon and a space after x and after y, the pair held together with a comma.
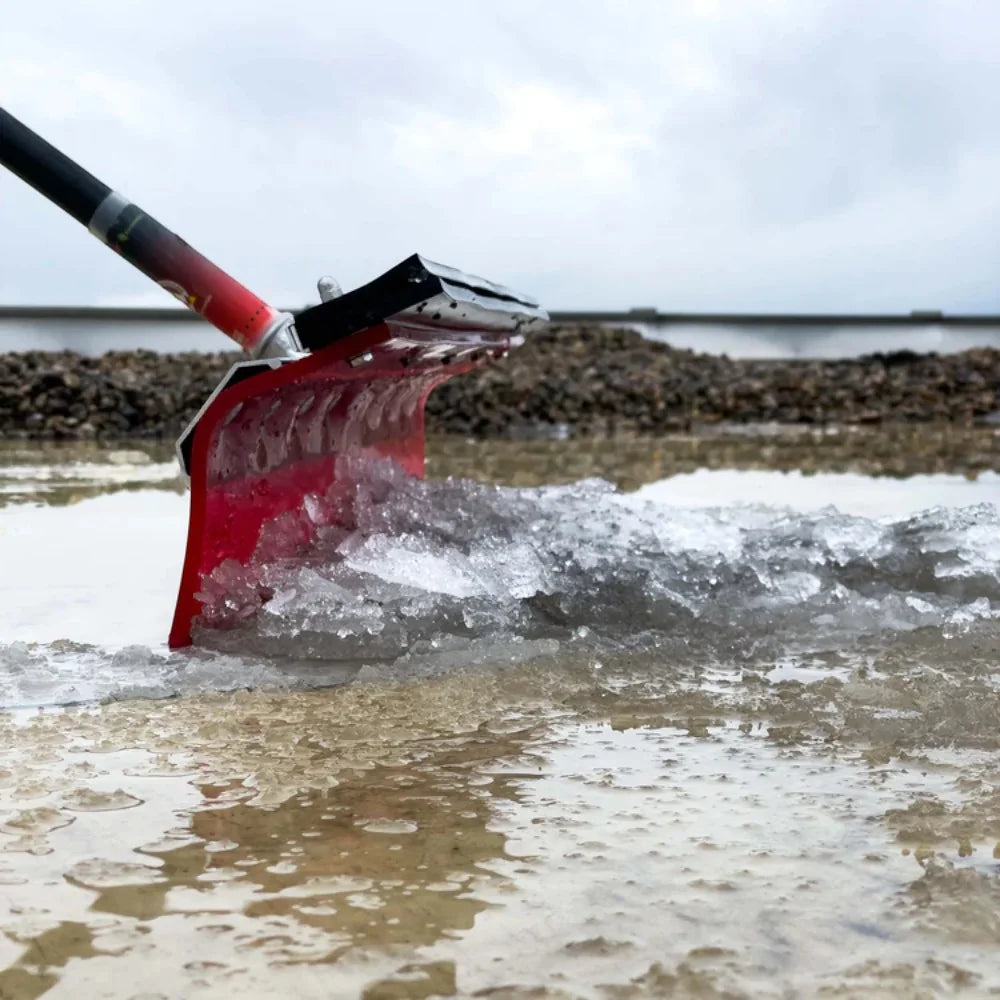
x: 138, y: 237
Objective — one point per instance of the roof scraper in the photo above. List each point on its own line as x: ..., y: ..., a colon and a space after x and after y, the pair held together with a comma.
x: 290, y: 432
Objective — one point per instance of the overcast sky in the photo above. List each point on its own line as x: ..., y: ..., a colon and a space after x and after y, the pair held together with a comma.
x: 685, y: 154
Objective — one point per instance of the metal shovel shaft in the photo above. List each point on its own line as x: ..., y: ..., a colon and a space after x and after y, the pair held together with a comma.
x: 140, y: 239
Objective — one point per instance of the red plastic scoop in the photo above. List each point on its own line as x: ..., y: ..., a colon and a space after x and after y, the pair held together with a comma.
x: 281, y: 445
x: 284, y: 440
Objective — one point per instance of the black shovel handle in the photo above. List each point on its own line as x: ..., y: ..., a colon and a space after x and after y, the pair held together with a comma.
x: 137, y: 236
x: 48, y: 171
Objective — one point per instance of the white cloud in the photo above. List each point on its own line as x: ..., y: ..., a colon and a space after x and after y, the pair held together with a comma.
x: 538, y: 136
x: 820, y: 154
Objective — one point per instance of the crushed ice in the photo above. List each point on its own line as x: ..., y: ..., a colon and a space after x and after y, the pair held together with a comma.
x: 432, y: 576
x: 457, y: 561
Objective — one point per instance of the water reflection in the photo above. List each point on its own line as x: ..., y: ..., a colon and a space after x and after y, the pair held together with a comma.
x: 316, y: 832
x: 539, y: 834
x: 385, y: 858
x: 630, y: 462
x: 59, y: 473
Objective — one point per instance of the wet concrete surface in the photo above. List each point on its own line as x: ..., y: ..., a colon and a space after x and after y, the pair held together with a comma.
x: 607, y: 823
x: 530, y: 834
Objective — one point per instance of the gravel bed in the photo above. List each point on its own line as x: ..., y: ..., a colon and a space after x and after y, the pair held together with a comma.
x: 567, y: 379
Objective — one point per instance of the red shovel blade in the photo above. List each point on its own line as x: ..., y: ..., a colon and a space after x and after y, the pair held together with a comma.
x: 266, y: 456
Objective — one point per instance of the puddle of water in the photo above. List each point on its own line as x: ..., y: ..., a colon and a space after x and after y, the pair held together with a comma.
x: 625, y: 745
x: 849, y: 493
x: 433, y: 839
x: 57, y: 475
x: 69, y: 471
x: 103, y: 570
x: 894, y: 452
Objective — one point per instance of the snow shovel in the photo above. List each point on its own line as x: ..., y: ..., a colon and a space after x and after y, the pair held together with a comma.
x: 283, y: 444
